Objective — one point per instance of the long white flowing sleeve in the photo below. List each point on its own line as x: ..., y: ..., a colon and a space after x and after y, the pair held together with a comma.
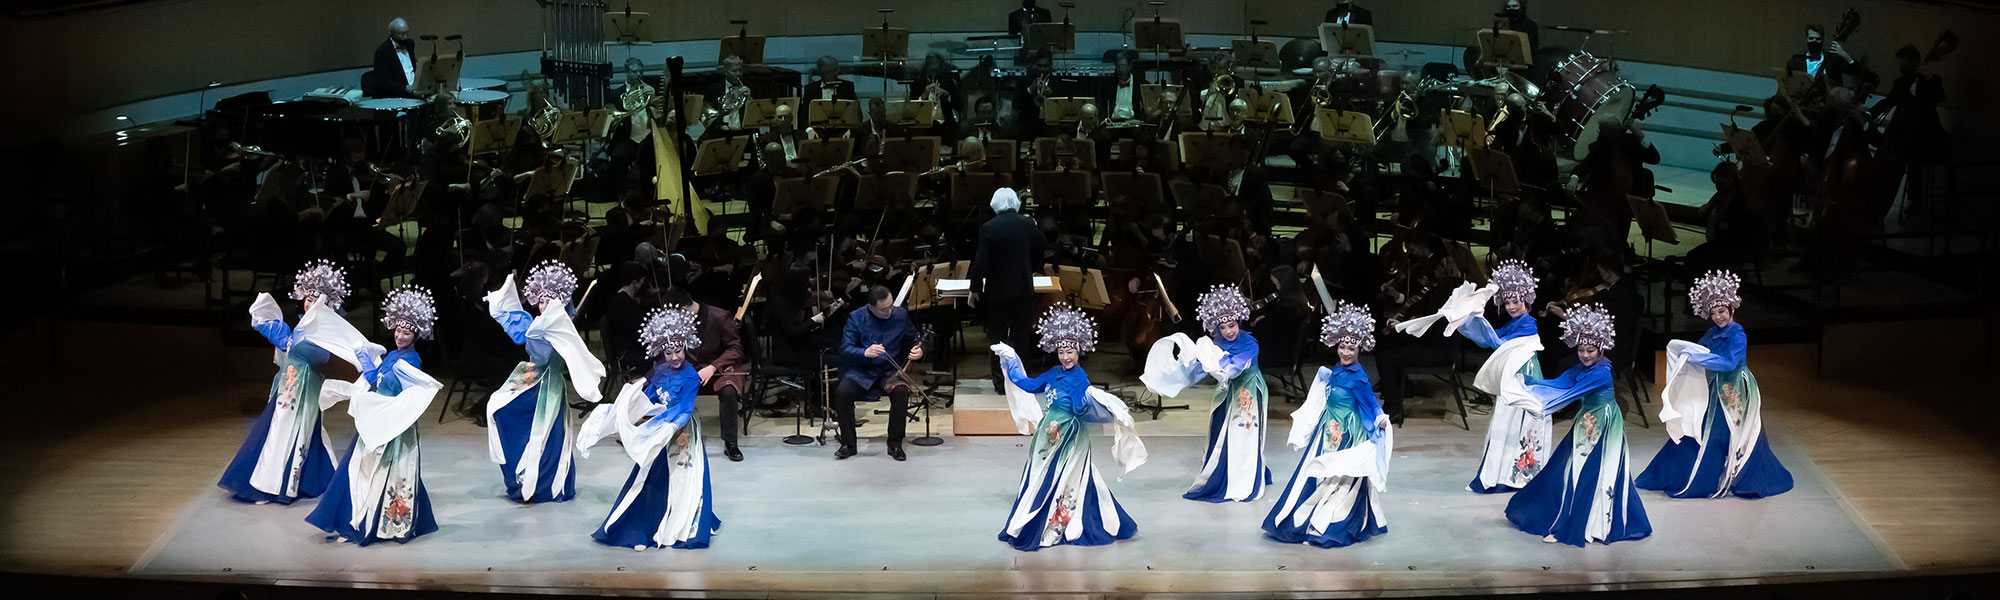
x: 504, y: 300
x: 331, y: 332
x: 585, y: 371
x: 378, y: 418
x: 623, y: 419
x: 1172, y: 365
x: 1125, y: 445
x: 1501, y: 375
x: 1306, y: 418
x: 1025, y: 407
x: 1466, y: 300
x: 1684, y: 400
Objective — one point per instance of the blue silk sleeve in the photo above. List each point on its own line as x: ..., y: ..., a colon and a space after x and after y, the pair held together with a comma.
x: 1726, y: 350
x: 1480, y: 332
x: 516, y: 323
x: 277, y: 331
x: 1574, y: 383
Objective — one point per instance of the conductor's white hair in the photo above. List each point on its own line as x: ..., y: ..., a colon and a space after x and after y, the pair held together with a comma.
x: 398, y: 22
x: 1004, y: 199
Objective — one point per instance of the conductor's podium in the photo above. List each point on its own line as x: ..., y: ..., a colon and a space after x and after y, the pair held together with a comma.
x: 981, y: 413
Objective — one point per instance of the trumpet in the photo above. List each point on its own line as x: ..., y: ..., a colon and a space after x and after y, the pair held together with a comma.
x: 936, y: 95
x: 1040, y: 88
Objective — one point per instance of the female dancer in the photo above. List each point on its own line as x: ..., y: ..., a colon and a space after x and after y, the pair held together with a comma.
x: 378, y: 494
x: 1585, y: 493
x: 528, y: 431
x: 666, y: 502
x: 1330, y: 500
x: 1233, y: 469
x: 1712, y: 409
x: 1062, y: 498
x: 286, y: 456
x: 1517, y: 439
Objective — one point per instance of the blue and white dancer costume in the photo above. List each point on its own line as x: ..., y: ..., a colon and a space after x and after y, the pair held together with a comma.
x: 378, y: 494
x: 1332, y: 498
x: 1233, y: 469
x: 1585, y: 494
x: 287, y: 455
x: 528, y: 431
x: 1517, y: 439
x: 667, y: 501
x: 1712, y: 409
x: 1062, y: 498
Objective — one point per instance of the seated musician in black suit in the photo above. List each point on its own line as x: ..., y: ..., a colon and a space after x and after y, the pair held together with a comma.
x: 827, y: 84
x: 395, y: 64
x: 1346, y: 12
x: 725, y: 99
x: 1121, y: 98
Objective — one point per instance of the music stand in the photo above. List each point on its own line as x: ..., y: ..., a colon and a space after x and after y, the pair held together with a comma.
x: 895, y: 191
x: 1002, y: 156
x: 574, y: 126
x: 915, y: 154
x: 1161, y: 35
x: 1048, y: 149
x: 1203, y: 200
x: 601, y: 122
x: 1794, y: 85
x: 493, y: 136
x: 1209, y: 149
x: 1493, y: 169
x: 553, y: 181
x: 1060, y: 190
x: 763, y: 112
x: 1271, y: 106
x: 1084, y: 288
x: 629, y: 27
x: 913, y: 113
x: 1461, y: 129
x: 440, y: 75
x: 1652, y: 219
x: 971, y: 190
x: 1504, y: 48
x: 1061, y: 37
x: 800, y: 194
x: 1255, y: 53
x: 820, y: 155
x: 1164, y: 152
x: 720, y: 155
x: 749, y: 48
x: 692, y: 108
x: 1324, y: 207
x: 1063, y: 110
x: 885, y: 43
x: 1745, y: 144
x: 1344, y: 126
x: 1347, y: 41
x: 1132, y: 195
x: 833, y: 114
x: 1149, y: 95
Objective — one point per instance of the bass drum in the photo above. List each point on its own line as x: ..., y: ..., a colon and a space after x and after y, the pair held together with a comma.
x: 1587, y: 93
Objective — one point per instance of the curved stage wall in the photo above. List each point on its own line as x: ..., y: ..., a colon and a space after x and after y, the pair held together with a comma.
x: 150, y: 60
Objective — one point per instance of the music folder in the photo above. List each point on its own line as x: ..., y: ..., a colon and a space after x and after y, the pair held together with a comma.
x: 895, y: 191
x: 800, y: 194
x: 822, y: 154
x: 1255, y: 53
x: 1745, y: 144
x: 628, y: 26
x: 916, y: 154
x: 1209, y: 149
x: 1270, y: 106
x: 1462, y: 129
x: 1652, y: 220
x: 1493, y: 169
x: 913, y: 113
x: 1163, y: 35
x: 885, y: 43
x: 1061, y: 37
x: 1054, y: 189
x: 1131, y: 194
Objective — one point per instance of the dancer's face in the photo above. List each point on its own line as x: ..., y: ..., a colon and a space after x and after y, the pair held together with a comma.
x: 1229, y: 330
x: 1068, y: 357
x: 1589, y: 354
x: 1515, y: 307
x: 673, y: 359
x: 1349, y: 353
x: 1722, y: 315
x: 405, y: 338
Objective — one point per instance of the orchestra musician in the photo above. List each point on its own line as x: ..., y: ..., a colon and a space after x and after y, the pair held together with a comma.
x: 1029, y: 14
x: 784, y: 132
x: 1516, y: 14
x: 726, y: 98
x: 1346, y: 13
x: 1821, y: 59
x: 986, y: 125
x: 937, y: 71
x: 827, y: 84
x: 395, y: 72
x: 1914, y: 135
x: 1123, y: 97
x: 876, y: 335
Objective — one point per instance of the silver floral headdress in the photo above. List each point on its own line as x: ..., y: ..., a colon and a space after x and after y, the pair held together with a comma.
x: 1348, y: 323
x: 1222, y: 304
x: 550, y: 280
x: 1066, y: 326
x: 667, y: 329
x: 1717, y: 287
x: 1515, y: 280
x: 410, y: 307
x: 1588, y: 325
x: 321, y: 278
